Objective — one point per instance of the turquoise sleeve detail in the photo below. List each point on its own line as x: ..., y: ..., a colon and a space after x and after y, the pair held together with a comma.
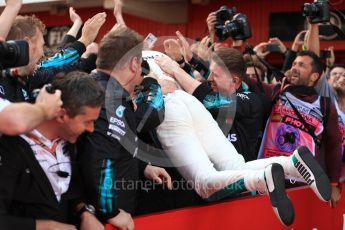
x: 64, y: 57
x: 244, y: 87
x: 154, y: 97
x: 216, y: 100
x: 106, y: 190
x: 206, y: 75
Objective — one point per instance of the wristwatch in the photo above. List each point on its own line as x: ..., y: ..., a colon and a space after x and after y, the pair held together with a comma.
x: 86, y: 208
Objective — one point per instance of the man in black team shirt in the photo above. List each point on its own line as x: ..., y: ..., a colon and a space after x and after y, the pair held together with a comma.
x: 108, y: 162
x: 227, y: 72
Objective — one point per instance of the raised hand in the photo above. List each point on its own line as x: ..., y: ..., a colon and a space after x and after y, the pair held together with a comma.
x: 173, y: 49
x: 91, y: 28
x: 260, y: 49
x: 50, y: 103
x: 211, y: 22
x: 74, y: 16
x: 77, y: 22
x: 14, y: 3
x: 204, y: 50
x: 185, y: 48
x: 298, y: 42
x: 118, y: 12
x: 277, y: 41
x: 117, y: 7
x: 8, y: 16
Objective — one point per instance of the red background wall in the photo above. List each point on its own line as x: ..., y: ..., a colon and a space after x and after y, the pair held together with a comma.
x: 257, y: 11
x: 248, y: 213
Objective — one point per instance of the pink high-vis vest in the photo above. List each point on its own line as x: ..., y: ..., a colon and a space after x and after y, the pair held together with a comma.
x: 285, y: 132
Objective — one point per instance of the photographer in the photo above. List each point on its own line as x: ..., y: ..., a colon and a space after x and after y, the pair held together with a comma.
x: 19, y: 82
x: 18, y: 118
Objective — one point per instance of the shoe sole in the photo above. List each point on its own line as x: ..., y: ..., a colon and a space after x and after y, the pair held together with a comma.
x: 281, y: 203
x: 322, y: 183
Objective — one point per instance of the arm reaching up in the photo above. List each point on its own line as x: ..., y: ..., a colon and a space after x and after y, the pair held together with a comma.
x: 118, y: 14
x: 8, y: 15
x: 77, y: 22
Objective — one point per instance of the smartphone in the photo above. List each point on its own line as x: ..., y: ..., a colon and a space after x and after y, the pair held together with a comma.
x: 150, y: 40
x: 273, y: 48
x: 324, y: 54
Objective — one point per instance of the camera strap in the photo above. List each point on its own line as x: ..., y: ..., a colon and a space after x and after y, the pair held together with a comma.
x: 261, y: 87
x: 306, y: 125
x: 336, y: 29
x: 250, y: 51
x: 276, y: 73
x: 339, y: 32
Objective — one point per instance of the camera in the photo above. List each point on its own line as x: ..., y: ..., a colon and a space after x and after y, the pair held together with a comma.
x: 14, y: 54
x: 318, y: 11
x: 50, y: 89
x: 224, y: 14
x: 238, y: 29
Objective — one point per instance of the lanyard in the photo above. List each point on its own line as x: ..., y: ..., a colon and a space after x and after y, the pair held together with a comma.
x: 51, y: 150
x: 307, y: 126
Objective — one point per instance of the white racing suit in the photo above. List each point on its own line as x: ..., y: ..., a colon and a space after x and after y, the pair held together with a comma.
x: 202, y: 154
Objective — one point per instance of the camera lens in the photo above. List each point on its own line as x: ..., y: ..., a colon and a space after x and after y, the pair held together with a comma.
x: 14, y: 53
x: 308, y: 10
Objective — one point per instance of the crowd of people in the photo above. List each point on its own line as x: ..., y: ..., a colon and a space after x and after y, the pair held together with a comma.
x: 115, y: 124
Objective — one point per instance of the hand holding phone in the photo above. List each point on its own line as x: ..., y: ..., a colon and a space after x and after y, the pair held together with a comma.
x: 150, y: 40
x: 324, y: 54
x: 273, y: 48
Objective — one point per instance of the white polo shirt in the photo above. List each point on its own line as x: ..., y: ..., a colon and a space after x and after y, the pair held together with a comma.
x: 44, y: 150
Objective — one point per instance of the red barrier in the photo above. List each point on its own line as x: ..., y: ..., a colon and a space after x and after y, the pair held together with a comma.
x: 248, y: 213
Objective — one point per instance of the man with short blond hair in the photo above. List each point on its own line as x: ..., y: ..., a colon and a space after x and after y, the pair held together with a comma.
x: 25, y: 26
